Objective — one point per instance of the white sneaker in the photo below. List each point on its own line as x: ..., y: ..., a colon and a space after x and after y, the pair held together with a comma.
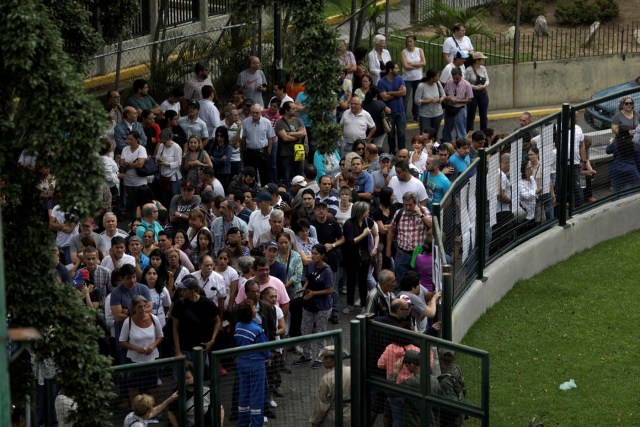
x: 266, y: 420
x: 346, y: 310
x: 273, y: 404
x: 357, y: 303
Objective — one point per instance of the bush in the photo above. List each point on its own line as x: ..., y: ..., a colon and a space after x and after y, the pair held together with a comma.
x: 585, y: 12
x: 529, y: 10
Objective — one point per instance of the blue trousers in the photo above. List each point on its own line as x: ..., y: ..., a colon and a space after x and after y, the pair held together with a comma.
x: 397, y: 136
x: 457, y: 122
x: 402, y: 263
x: 480, y: 101
x: 251, y: 379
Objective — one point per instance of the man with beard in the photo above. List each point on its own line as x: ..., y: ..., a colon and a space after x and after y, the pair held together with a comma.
x: 234, y: 242
x: 226, y: 221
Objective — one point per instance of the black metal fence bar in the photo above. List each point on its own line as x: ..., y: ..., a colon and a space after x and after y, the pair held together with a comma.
x: 218, y: 7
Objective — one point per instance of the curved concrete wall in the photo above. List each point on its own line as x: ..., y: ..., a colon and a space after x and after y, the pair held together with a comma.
x: 557, y: 244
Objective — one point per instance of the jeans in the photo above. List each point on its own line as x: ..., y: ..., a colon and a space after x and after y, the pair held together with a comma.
x: 397, y: 132
x: 402, y: 263
x: 396, y: 405
x: 411, y: 86
x: 578, y: 197
x: 430, y: 122
x: 480, y: 101
x: 457, y: 122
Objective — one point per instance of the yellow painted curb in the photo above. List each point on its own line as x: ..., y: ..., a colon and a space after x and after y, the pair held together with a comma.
x: 502, y: 116
x: 109, y: 78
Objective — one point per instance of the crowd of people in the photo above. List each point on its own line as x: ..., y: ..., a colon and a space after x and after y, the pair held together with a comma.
x: 240, y: 231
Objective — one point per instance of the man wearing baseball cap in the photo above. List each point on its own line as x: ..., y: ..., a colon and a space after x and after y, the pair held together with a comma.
x: 182, y: 204
x: 324, y: 407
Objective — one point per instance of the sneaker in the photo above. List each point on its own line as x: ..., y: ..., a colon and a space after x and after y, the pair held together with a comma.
x: 357, y: 303
x: 316, y: 364
x: 266, y: 420
x: 297, y: 349
x: 269, y: 413
x: 344, y: 291
x: 302, y: 360
x: 334, y: 319
x: 273, y: 404
x: 346, y: 310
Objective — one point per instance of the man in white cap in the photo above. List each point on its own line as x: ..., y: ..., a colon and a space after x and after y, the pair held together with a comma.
x: 324, y: 407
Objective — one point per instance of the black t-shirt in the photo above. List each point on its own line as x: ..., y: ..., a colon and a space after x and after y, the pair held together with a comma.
x: 328, y: 232
x: 196, y: 321
x: 375, y: 108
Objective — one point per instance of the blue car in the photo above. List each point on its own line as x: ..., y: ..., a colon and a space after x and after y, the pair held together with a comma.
x: 599, y: 115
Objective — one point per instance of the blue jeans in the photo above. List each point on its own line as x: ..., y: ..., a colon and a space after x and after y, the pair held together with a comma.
x: 274, y: 163
x: 430, y: 122
x: 480, y: 101
x: 402, y: 263
x: 396, y: 405
x: 411, y: 86
x: 457, y: 122
x: 335, y: 296
x: 397, y: 132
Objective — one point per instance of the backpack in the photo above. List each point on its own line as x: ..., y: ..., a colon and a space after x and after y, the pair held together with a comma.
x: 452, y: 384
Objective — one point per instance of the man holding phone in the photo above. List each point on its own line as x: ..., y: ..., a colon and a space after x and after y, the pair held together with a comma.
x: 252, y: 81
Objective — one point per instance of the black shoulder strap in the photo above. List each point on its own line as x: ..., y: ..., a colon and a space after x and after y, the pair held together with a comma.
x: 398, y: 216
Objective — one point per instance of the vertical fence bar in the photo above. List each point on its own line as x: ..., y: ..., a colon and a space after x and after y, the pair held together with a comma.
x: 485, y: 390
x: 5, y: 390
x: 198, y: 398
x: 215, y: 390
x: 337, y: 372
x: 563, y: 174
x: 50, y: 413
x: 182, y: 390
x: 481, y: 195
x: 357, y: 374
x: 447, y: 302
x: 571, y: 158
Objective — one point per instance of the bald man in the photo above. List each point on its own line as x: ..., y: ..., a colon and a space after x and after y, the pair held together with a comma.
x: 252, y: 81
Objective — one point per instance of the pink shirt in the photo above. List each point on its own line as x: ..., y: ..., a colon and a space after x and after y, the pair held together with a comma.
x: 274, y: 282
x: 391, y: 361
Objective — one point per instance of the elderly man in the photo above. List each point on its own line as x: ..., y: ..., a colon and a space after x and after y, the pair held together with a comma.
x: 379, y: 298
x: 149, y: 221
x: 356, y: 124
x: 276, y: 226
x: 193, y: 86
x: 192, y: 124
x: 224, y: 222
x: 409, y: 225
x: 459, y: 93
x: 257, y: 142
x: 181, y: 205
x: 525, y: 120
x: 324, y: 407
x: 128, y: 124
x: 253, y: 81
x: 259, y: 219
x: 110, y: 224
x: 212, y: 283
x: 96, y: 274
x: 392, y: 91
x: 404, y: 182
x: 113, y: 107
x: 86, y: 230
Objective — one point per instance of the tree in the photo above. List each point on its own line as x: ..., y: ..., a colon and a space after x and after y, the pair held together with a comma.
x: 442, y: 17
x: 45, y: 110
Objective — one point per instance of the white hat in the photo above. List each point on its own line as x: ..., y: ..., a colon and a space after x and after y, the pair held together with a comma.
x: 299, y: 180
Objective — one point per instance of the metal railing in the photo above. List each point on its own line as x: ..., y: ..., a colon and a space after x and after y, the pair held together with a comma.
x: 388, y: 380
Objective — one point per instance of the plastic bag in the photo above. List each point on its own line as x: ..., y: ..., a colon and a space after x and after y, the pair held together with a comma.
x: 568, y: 385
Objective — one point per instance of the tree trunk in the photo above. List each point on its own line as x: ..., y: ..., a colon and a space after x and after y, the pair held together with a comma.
x: 362, y: 19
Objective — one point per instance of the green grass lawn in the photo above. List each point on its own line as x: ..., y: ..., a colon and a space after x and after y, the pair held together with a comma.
x: 577, y: 319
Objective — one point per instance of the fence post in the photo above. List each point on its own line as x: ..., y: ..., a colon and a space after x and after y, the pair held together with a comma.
x: 203, y: 13
x: 356, y: 373
x: 363, y: 410
x: 182, y: 390
x: 564, y: 175
x: 198, y: 382
x: 447, y: 302
x: 50, y: 413
x: 485, y: 390
x: 413, y: 12
x: 214, y: 389
x: 481, y: 195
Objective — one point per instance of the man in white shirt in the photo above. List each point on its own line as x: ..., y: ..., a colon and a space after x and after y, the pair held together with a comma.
x: 117, y: 258
x: 404, y: 182
x: 259, y: 219
x: 458, y: 62
x: 356, y: 124
x: 457, y: 42
x: 110, y: 223
x: 208, y: 111
x: 211, y: 283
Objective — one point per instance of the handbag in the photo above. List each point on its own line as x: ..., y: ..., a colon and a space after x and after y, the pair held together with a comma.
x: 387, y: 123
x: 299, y: 153
x: 149, y: 168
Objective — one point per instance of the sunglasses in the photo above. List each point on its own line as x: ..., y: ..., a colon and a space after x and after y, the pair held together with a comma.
x: 628, y: 103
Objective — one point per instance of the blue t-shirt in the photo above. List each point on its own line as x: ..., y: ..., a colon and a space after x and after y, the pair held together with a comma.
x: 436, y: 187
x: 459, y: 163
x: 364, y: 183
x: 303, y: 99
x: 318, y: 280
x: 396, y: 104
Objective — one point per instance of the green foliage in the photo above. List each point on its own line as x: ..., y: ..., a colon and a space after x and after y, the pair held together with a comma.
x: 315, y: 63
x: 585, y: 12
x: 529, y: 10
x: 573, y: 320
x: 46, y: 111
x: 442, y: 17
x: 117, y: 18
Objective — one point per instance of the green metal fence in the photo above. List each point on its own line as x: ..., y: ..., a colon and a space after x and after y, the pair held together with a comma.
x: 448, y: 385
